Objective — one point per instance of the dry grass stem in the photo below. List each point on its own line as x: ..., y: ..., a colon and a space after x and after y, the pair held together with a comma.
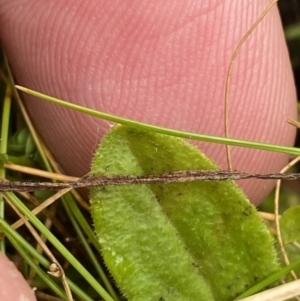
x: 279, y: 293
x: 267, y: 216
x: 294, y: 123
x: 229, y: 75
x: 60, y: 227
x: 40, y: 173
x: 171, y: 177
x: 276, y: 212
x: 56, y: 168
x: 44, y: 247
x: 42, y: 206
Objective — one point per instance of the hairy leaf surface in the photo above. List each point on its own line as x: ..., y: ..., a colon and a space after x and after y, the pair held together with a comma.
x: 180, y: 241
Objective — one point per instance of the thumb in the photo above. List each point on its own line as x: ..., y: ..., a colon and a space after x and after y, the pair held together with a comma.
x: 161, y: 62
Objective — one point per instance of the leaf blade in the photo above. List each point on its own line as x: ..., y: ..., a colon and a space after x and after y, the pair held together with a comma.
x: 200, y: 212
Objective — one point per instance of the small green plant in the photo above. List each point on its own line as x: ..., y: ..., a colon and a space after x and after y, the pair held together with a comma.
x: 179, y: 241
x: 142, y: 143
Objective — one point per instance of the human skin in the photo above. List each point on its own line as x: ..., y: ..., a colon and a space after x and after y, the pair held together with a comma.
x: 160, y: 62
x: 155, y: 62
x: 13, y: 286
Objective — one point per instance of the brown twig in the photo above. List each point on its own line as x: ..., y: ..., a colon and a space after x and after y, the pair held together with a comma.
x: 172, y: 177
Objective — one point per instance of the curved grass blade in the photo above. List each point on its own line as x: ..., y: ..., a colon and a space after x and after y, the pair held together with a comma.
x: 163, y: 130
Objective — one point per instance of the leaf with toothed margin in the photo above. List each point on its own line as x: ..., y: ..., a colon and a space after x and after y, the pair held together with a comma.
x: 178, y: 241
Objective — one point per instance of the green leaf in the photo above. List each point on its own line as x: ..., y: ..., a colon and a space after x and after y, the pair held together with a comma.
x: 290, y: 225
x: 180, y: 241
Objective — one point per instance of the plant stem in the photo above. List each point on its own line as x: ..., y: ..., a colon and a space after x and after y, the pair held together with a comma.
x: 163, y: 130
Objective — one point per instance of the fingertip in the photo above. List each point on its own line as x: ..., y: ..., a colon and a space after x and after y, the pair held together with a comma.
x: 12, y: 284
